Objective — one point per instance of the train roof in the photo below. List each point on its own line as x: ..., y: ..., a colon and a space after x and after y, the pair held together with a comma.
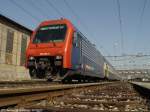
x: 56, y: 21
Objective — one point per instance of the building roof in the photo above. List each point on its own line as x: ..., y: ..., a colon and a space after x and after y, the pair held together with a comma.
x: 4, y: 18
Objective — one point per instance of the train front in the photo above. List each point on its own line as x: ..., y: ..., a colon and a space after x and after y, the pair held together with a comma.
x: 49, y: 52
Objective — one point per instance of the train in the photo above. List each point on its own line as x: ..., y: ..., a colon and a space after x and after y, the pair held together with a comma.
x: 58, y: 51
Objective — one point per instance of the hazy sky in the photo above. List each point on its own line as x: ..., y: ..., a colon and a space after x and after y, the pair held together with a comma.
x: 97, y: 19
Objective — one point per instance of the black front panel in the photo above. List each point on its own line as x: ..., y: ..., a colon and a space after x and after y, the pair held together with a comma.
x: 43, y: 62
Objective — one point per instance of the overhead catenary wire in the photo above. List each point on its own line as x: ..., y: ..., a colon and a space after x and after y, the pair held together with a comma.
x: 133, y: 55
x: 44, y: 14
x: 120, y: 24
x: 80, y: 21
x: 38, y: 9
x: 60, y: 14
x: 129, y: 57
x: 104, y: 50
x: 142, y: 13
x: 131, y: 60
x: 139, y: 26
x: 72, y: 11
x: 56, y: 10
x: 26, y: 11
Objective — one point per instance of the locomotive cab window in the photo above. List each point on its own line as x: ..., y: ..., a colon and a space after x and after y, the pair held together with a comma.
x: 50, y: 33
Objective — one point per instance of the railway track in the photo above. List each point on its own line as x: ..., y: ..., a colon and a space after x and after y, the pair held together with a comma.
x: 18, y: 96
x: 95, y: 97
x: 23, y: 83
x: 116, y: 96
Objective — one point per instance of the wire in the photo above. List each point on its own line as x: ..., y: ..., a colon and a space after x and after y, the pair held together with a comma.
x: 147, y: 55
x: 26, y: 11
x: 58, y: 12
x: 104, y: 50
x: 120, y: 23
x: 75, y: 15
x: 142, y: 13
x: 39, y: 9
x: 129, y: 58
x: 78, y: 19
x: 139, y: 26
x: 72, y: 11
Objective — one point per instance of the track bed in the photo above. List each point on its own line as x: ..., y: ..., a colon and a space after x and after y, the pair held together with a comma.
x: 118, y: 96
x: 96, y: 97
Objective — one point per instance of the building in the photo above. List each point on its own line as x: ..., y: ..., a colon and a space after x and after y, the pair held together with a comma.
x: 13, y: 42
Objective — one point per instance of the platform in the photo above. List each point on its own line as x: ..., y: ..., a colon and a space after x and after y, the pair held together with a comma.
x: 142, y: 84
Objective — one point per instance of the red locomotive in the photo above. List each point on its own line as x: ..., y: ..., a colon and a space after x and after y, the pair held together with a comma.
x: 58, y: 51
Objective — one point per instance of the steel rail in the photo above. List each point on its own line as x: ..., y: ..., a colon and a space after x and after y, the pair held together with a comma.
x: 24, y: 81
x: 20, y: 96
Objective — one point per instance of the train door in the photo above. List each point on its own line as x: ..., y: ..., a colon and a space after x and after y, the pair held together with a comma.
x: 106, y: 70
x: 76, y: 51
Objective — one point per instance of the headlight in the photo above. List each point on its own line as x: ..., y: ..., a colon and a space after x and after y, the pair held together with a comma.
x: 31, y: 58
x: 58, y: 57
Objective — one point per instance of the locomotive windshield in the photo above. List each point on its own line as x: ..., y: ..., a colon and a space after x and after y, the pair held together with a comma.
x: 50, y: 33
